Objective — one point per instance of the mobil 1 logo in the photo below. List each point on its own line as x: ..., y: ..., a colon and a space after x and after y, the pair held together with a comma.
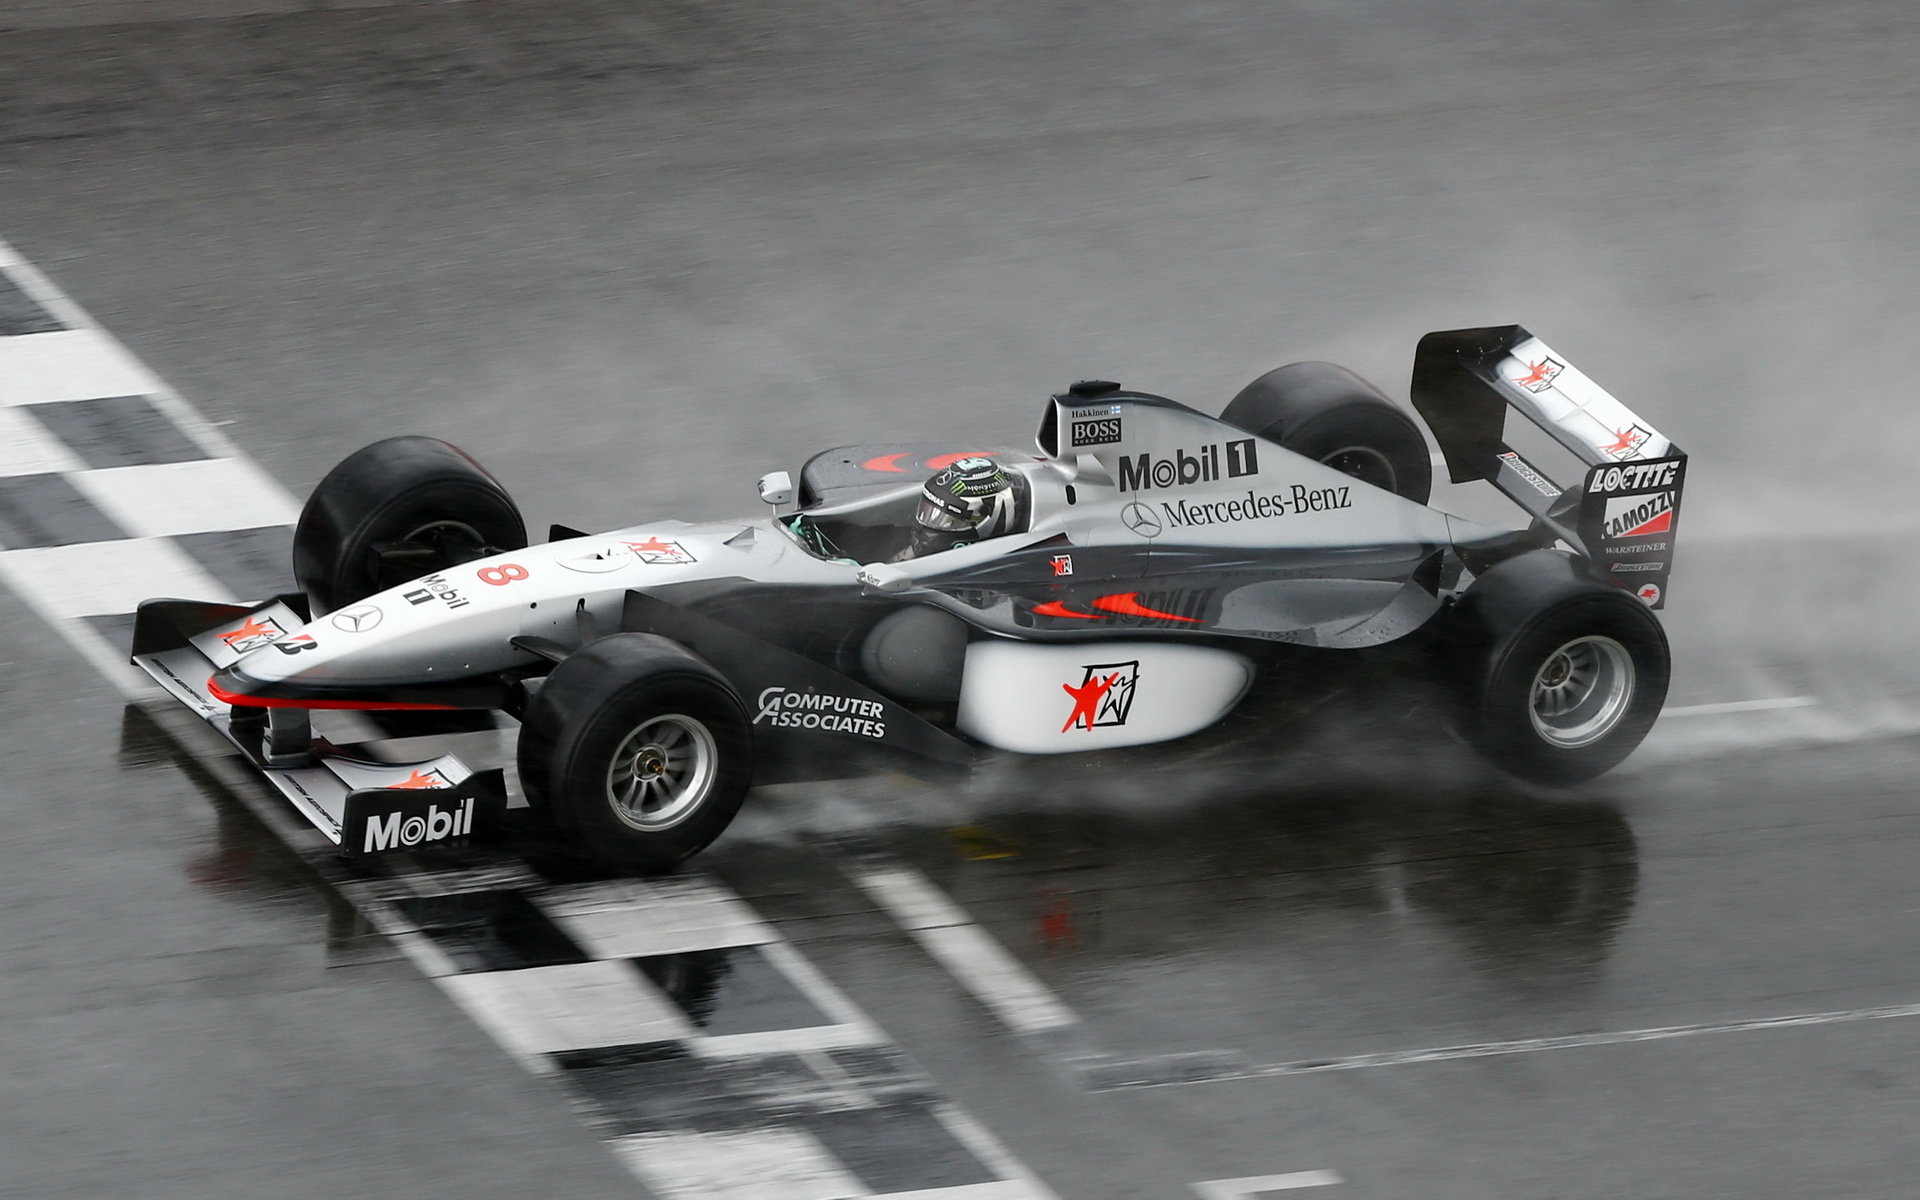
x: 1629, y: 516
x: 1182, y: 468
x: 409, y: 816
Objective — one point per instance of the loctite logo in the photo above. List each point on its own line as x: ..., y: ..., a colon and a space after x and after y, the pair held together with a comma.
x: 1639, y: 516
x: 1205, y: 465
x: 395, y: 831
x: 1637, y: 477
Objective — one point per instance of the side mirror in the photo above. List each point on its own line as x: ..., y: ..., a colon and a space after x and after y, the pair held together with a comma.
x: 776, y: 488
x: 883, y: 577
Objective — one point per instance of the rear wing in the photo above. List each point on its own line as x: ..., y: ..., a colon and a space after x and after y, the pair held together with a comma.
x: 1623, y: 515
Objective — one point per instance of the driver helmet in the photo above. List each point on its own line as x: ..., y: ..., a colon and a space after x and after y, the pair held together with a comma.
x: 966, y: 501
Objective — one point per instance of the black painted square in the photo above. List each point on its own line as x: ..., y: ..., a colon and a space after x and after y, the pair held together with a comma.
x: 883, y: 1074
x: 736, y: 990
x: 491, y: 931
x: 897, y: 1148
x: 116, y: 431
x: 46, y: 510
x: 20, y: 313
x: 655, y: 1087
x: 255, y: 564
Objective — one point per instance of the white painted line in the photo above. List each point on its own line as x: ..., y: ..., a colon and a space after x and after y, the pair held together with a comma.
x: 1397, y: 1058
x: 999, y: 1189
x: 119, y: 364
x: 970, y: 955
x: 568, y: 1007
x: 1015, y: 1182
x: 760, y: 1164
x: 202, y: 496
x: 829, y: 999
x: 104, y: 577
x: 1253, y: 1185
x: 631, y: 918
x: 26, y: 448
x: 1741, y: 706
x: 72, y: 364
x: 788, y: 1041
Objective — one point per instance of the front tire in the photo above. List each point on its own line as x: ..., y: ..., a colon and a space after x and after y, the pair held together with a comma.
x: 1337, y: 419
x: 394, y: 511
x: 641, y: 752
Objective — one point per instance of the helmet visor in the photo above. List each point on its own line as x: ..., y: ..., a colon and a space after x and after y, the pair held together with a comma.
x: 934, y: 515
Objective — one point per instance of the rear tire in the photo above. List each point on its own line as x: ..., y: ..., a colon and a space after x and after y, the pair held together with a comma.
x: 417, y: 495
x: 641, y: 752
x: 1338, y: 419
x: 1563, y: 676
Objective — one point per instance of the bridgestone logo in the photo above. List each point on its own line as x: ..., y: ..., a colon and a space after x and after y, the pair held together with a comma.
x: 784, y: 708
x: 1256, y: 506
x: 394, y: 831
x: 1205, y: 465
x: 1524, y: 470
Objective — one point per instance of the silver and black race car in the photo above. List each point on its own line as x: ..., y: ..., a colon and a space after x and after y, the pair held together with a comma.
x: 1134, y: 581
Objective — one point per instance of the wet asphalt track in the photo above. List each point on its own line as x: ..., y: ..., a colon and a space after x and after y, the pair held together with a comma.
x: 631, y: 260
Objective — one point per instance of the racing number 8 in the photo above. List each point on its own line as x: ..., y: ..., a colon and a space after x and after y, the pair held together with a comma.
x: 501, y: 575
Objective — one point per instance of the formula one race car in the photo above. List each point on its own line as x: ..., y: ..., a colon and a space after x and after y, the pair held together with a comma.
x: 1133, y: 582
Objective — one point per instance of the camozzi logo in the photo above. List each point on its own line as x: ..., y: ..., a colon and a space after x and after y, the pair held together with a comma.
x: 1639, y: 516
x: 1104, y: 695
x: 1205, y: 465
x: 395, y: 830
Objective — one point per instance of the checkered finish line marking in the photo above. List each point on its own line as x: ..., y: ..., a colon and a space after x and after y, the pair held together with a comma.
x: 714, y: 1059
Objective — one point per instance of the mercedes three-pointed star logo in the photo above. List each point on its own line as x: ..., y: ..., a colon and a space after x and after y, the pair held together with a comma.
x: 358, y: 619
x: 1139, y: 518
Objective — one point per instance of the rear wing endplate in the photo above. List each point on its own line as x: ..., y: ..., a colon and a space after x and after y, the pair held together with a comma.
x: 1623, y: 514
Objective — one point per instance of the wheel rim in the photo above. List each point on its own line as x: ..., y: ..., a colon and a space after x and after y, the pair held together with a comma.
x: 662, y: 772
x: 1363, y: 463
x: 1581, y: 691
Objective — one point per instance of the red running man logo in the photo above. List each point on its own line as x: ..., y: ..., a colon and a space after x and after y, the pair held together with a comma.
x: 1103, y: 697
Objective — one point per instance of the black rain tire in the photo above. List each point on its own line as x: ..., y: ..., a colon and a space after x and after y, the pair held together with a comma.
x: 586, y: 713
x: 1560, y: 675
x: 395, y: 490
x: 1333, y: 416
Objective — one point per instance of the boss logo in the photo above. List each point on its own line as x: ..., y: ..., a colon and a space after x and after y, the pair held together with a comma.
x: 1097, y: 431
